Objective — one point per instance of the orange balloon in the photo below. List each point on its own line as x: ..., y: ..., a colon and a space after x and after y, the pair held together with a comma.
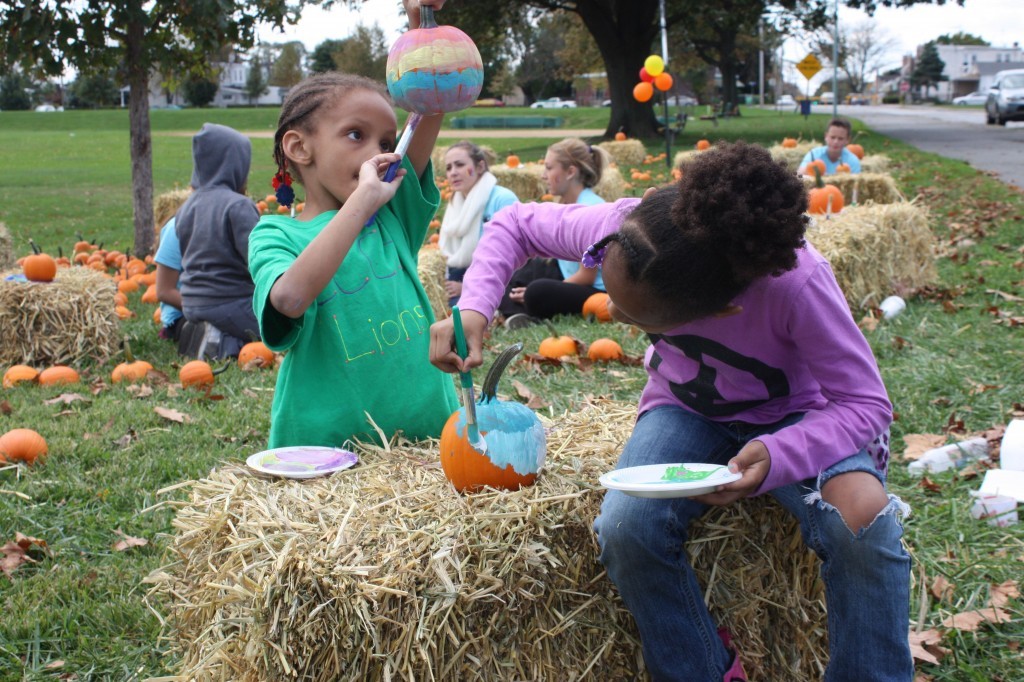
x: 663, y: 81
x: 643, y: 92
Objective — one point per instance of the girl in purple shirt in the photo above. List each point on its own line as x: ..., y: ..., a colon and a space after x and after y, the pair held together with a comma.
x: 755, y: 363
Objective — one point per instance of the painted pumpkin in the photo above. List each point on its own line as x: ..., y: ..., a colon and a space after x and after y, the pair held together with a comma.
x: 596, y: 307
x: 17, y: 374
x: 58, y: 374
x: 22, y: 445
x: 605, y: 350
x: 434, y: 69
x: 516, y: 442
x: 824, y: 199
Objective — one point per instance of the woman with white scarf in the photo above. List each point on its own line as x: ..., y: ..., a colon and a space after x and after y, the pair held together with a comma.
x: 476, y: 196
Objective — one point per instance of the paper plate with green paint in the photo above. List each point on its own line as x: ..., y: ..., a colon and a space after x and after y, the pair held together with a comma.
x: 669, y: 480
x: 303, y: 461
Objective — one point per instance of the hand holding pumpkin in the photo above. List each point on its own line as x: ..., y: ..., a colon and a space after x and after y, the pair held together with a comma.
x: 442, y: 343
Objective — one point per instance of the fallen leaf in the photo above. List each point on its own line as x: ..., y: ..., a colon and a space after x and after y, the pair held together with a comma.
x: 920, y: 443
x: 127, y: 542
x: 171, y: 415
x: 1004, y: 295
x: 16, y: 552
x: 942, y: 588
x: 920, y: 640
x: 1003, y: 592
x: 54, y: 665
x: 140, y: 391
x: 929, y: 485
x: 5, y: 407
x: 533, y: 401
x: 66, y: 398
x: 249, y: 393
x: 968, y: 621
x: 868, y: 323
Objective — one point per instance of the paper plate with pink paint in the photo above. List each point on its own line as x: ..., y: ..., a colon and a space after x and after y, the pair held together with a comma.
x: 669, y: 480
x: 303, y: 461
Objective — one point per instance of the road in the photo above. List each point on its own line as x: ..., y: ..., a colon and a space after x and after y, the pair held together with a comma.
x: 953, y: 133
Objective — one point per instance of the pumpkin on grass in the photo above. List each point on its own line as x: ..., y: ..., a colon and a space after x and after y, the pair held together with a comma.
x: 131, y: 370
x: 57, y: 375
x: 596, y: 307
x: 605, y: 350
x: 17, y: 374
x: 199, y: 374
x: 824, y: 199
x: 515, y: 438
x: 22, y: 445
x: 255, y: 354
x: 555, y: 346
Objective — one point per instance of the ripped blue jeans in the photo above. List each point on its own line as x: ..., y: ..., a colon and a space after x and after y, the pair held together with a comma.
x: 643, y: 546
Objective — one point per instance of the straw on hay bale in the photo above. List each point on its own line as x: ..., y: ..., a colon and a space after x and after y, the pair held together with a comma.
x: 524, y: 182
x: 626, y: 153
x: 167, y: 204
x: 791, y: 156
x: 877, y: 249
x: 684, y: 157
x: 611, y: 187
x: 431, y: 266
x: 60, y: 322
x: 874, y: 163
x: 384, y: 572
x: 862, y: 188
x: 7, y: 259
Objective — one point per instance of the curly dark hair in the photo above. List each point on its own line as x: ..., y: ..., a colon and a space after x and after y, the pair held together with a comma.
x: 735, y: 216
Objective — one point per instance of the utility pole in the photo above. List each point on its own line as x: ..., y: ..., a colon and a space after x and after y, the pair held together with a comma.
x: 835, y: 62
x: 760, y: 59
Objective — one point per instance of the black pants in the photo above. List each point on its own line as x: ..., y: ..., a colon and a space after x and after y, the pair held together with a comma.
x: 546, y: 298
x: 535, y: 269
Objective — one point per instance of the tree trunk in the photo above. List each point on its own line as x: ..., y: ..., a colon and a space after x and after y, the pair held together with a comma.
x: 728, y: 67
x: 141, y: 142
x: 625, y: 39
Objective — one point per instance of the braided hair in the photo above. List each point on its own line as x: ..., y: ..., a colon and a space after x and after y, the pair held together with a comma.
x: 304, y: 100
x: 735, y: 216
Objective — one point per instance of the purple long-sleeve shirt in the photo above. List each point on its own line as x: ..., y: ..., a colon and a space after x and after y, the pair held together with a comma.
x: 794, y: 348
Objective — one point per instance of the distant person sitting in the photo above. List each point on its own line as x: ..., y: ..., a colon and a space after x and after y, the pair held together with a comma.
x: 834, y: 153
x: 213, y: 229
x: 168, y: 274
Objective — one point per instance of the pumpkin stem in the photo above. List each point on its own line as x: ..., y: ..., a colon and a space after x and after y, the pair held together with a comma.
x: 551, y: 328
x: 60, y: 251
x: 818, y: 182
x: 128, y: 350
x: 222, y: 368
x: 35, y: 249
x: 490, y: 386
x: 427, y: 17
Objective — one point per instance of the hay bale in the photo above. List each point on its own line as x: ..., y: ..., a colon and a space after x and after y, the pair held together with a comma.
x: 167, y: 204
x: 874, y: 163
x: 625, y: 153
x: 431, y: 266
x: 523, y: 180
x: 863, y: 188
x: 7, y: 259
x: 384, y: 572
x: 792, y: 156
x: 876, y: 249
x: 612, y: 186
x: 61, y: 322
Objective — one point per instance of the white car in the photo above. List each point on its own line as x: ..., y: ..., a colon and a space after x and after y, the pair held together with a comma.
x: 786, y: 101
x: 826, y: 98
x: 554, y: 103
x: 975, y: 98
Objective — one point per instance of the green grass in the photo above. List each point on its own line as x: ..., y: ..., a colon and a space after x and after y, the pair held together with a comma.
x: 944, y: 360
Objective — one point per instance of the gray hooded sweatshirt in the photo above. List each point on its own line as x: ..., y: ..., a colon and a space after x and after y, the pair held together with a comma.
x: 213, y: 225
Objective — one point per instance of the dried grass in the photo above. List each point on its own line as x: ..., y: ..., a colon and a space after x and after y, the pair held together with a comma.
x: 877, y: 250
x: 626, y: 153
x: 523, y: 180
x: 863, y: 188
x: 61, y: 322
x: 384, y: 572
x: 7, y: 259
x: 431, y: 266
x: 167, y: 204
x: 874, y: 163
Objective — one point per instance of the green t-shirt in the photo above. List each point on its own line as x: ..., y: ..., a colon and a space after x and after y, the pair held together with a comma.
x: 363, y: 346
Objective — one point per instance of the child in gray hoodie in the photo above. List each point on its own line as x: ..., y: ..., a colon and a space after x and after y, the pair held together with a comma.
x: 213, y: 229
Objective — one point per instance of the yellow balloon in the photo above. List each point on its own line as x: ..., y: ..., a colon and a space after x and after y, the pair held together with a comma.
x: 654, y: 65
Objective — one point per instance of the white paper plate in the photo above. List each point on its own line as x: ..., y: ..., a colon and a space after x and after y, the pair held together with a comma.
x: 302, y: 461
x: 669, y: 480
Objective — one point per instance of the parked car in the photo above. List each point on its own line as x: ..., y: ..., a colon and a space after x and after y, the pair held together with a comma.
x: 1005, y: 101
x: 973, y: 99
x: 857, y: 98
x: 554, y: 103
x: 489, y: 102
x: 786, y: 101
x: 826, y: 98
x: 682, y: 101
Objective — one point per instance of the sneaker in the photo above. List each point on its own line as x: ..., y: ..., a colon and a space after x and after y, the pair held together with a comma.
x: 190, y: 340
x: 520, y: 321
x: 735, y: 672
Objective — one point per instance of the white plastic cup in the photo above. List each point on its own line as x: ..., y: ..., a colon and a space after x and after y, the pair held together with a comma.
x: 952, y: 456
x: 892, y: 306
x: 1011, y: 452
x: 997, y: 510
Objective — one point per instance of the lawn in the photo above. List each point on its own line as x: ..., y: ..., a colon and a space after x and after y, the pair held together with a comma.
x: 953, y: 364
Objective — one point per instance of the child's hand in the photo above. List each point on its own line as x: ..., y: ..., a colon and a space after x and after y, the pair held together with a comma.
x: 753, y: 461
x: 371, y: 179
x: 442, y: 343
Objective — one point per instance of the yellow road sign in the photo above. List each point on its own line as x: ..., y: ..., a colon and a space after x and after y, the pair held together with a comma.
x: 808, y: 66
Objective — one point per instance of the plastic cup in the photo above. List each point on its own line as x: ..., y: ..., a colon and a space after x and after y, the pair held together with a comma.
x: 892, y: 306
x: 998, y: 510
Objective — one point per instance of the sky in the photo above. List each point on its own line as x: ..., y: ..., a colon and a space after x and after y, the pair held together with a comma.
x: 1001, y: 22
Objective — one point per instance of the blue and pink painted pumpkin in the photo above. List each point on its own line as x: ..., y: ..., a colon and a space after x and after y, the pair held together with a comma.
x: 516, y: 441
x: 434, y: 69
